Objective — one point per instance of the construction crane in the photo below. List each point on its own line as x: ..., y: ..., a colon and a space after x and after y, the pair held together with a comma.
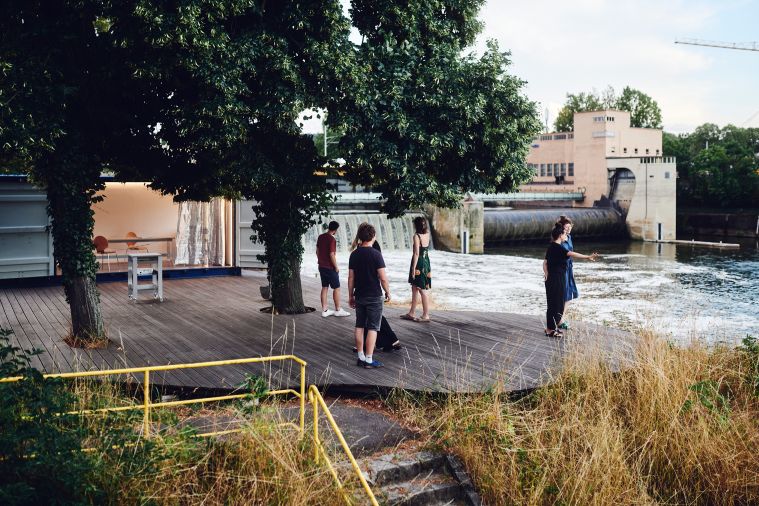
x: 744, y: 46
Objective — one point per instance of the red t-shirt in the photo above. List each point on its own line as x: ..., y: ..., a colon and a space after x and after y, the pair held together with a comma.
x: 325, y: 245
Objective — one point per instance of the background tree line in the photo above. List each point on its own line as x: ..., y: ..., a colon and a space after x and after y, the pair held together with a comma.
x: 717, y: 167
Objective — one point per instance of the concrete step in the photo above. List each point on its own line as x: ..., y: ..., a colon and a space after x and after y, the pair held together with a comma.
x: 394, y: 467
x: 427, y: 488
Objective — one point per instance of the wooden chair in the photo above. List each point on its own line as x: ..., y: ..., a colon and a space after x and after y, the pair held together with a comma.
x: 101, y: 248
x: 133, y: 246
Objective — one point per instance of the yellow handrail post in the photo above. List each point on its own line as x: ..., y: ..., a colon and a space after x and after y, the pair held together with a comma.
x: 316, y: 398
x: 302, y: 399
x: 146, y: 403
x: 315, y: 409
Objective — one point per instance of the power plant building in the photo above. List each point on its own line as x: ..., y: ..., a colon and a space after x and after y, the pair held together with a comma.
x: 613, y: 164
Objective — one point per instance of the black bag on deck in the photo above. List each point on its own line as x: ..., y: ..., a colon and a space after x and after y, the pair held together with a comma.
x: 385, y: 337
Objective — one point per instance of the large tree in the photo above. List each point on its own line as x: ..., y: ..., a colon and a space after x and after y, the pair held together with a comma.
x: 644, y: 111
x: 85, y: 86
x: 285, y: 58
x: 422, y: 122
x: 426, y: 121
x: 64, y: 108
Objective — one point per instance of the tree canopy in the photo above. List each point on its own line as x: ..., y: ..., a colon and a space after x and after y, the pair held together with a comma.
x: 717, y: 167
x: 644, y: 111
x: 425, y: 120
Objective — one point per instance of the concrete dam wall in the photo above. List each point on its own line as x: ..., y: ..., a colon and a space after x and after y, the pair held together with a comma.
x: 507, y: 225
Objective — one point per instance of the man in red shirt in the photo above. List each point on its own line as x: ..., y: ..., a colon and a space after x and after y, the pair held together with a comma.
x: 326, y: 246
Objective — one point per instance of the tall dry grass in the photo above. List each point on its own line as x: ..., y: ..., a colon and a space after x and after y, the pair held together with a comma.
x: 268, y: 462
x: 265, y: 464
x: 678, y: 425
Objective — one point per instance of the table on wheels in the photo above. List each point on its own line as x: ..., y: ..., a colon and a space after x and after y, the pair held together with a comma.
x: 154, y: 269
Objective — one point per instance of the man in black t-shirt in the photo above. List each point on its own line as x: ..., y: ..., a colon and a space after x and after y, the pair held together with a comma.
x: 366, y: 280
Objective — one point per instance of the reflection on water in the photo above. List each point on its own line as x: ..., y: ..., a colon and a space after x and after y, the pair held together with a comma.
x: 681, y: 291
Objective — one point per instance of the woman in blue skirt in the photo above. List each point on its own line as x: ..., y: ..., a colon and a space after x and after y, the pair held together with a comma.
x: 570, y: 286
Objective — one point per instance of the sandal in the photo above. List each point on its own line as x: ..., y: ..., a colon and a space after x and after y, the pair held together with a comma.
x: 406, y: 316
x: 423, y: 320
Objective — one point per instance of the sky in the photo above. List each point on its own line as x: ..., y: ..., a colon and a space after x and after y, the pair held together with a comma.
x: 577, y: 45
x: 570, y: 46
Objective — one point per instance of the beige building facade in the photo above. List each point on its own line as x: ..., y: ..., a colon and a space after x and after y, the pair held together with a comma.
x: 606, y: 158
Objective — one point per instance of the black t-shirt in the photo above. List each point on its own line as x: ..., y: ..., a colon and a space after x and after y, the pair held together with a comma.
x: 364, y: 263
x: 557, y: 258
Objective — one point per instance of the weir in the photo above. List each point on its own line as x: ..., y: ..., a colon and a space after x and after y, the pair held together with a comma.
x: 506, y: 225
x: 393, y: 234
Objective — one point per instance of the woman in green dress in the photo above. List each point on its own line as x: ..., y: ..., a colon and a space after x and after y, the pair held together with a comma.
x: 420, y: 273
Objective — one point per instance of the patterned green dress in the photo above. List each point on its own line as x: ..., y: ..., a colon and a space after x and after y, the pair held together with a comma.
x: 422, y: 278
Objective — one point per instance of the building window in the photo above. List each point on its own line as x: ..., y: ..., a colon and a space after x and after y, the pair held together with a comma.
x: 657, y: 152
x: 598, y: 119
x: 570, y: 136
x: 542, y: 169
x: 546, y: 137
x: 636, y: 151
x: 571, y: 172
x: 556, y: 169
x: 549, y: 171
x: 559, y: 137
x: 613, y: 149
x: 563, y: 169
x: 646, y: 150
x: 666, y: 175
x: 624, y: 150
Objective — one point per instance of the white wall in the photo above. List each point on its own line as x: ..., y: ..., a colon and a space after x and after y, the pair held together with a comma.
x: 133, y: 207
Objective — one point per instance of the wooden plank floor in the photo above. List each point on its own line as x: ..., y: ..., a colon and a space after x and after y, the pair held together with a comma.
x: 203, y: 319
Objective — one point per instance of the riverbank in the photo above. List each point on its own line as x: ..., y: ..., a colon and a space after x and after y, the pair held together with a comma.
x: 692, y: 223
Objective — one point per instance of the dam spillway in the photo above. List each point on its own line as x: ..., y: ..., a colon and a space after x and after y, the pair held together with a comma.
x: 393, y: 234
x: 507, y: 225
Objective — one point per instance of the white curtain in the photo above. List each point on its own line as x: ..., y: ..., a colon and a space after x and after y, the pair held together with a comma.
x: 201, y: 233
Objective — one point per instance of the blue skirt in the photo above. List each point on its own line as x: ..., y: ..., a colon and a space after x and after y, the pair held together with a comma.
x: 570, y: 286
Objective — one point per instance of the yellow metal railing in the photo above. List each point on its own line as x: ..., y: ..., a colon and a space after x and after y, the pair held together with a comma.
x: 147, y: 405
x: 314, y: 397
x: 317, y: 401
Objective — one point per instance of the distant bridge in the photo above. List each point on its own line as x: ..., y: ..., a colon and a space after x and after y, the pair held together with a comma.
x: 576, y: 195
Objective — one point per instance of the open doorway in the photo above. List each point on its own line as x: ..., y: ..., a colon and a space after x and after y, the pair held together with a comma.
x: 134, y: 218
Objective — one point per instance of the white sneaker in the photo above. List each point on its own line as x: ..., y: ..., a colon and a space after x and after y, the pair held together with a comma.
x: 341, y: 312
x: 327, y: 312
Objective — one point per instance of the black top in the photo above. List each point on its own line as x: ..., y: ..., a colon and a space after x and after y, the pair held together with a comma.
x: 364, y: 263
x: 557, y: 258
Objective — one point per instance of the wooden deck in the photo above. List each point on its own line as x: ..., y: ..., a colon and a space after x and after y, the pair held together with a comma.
x: 219, y: 318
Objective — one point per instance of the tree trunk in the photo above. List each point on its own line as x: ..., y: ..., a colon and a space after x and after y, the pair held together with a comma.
x: 287, y: 294
x: 70, y: 194
x: 86, y: 320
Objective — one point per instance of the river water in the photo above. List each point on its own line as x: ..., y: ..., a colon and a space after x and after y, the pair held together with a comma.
x: 681, y: 292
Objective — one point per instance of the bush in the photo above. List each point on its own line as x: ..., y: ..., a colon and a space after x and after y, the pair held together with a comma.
x: 41, y: 461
